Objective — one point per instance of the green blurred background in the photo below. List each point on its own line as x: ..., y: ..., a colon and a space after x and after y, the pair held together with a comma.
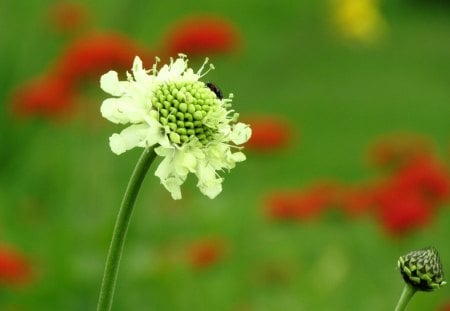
x: 60, y: 185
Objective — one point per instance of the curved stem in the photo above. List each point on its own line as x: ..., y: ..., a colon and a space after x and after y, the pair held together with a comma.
x: 121, y: 228
x: 408, y: 292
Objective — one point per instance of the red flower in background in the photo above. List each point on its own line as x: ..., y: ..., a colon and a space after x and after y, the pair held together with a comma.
x: 200, y: 36
x: 356, y: 200
x: 445, y: 307
x: 14, y: 268
x: 425, y: 176
x: 395, y: 151
x: 204, y: 253
x: 404, y: 201
x: 93, y: 55
x: 86, y: 58
x: 268, y: 133
x: 68, y: 16
x: 301, y: 204
x: 47, y: 96
x: 409, y: 199
x: 401, y: 212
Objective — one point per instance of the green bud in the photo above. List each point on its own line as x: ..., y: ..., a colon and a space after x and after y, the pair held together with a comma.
x: 422, y: 269
x: 184, y: 138
x: 174, y: 137
x: 173, y: 126
x: 182, y: 107
x: 191, y: 108
x: 180, y: 116
x: 180, y: 124
x: 164, y: 112
x: 163, y: 120
x: 198, y: 115
x: 181, y: 131
x: 188, y: 116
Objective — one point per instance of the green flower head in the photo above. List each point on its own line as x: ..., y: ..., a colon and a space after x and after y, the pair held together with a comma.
x: 422, y: 269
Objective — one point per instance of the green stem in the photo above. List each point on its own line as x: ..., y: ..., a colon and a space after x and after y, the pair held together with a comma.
x: 408, y: 292
x: 121, y: 228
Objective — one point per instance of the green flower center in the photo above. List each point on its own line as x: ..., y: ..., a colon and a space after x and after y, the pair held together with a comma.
x: 182, y: 107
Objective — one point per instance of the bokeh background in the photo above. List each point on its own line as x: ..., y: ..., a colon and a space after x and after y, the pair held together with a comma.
x: 347, y: 168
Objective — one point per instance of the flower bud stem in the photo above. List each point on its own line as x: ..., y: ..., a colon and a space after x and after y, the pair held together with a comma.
x: 407, y: 294
x: 121, y: 228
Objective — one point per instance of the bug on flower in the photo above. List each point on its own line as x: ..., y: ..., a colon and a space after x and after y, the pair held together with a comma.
x: 215, y: 90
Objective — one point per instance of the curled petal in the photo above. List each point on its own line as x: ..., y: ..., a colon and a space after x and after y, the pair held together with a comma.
x: 189, y: 161
x: 173, y: 186
x: 212, y: 189
x: 122, y: 110
x: 240, y: 134
x: 140, y: 74
x: 169, y: 180
x: 109, y: 82
x: 129, y: 138
x: 238, y: 157
x: 208, y: 183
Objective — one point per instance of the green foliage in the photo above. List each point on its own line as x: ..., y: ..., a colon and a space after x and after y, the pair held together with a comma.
x: 60, y: 185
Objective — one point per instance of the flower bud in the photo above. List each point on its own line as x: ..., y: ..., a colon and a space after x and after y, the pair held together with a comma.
x: 422, y: 269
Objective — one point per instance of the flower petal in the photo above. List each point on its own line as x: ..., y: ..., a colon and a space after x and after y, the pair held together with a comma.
x: 109, y: 82
x: 122, y: 110
x: 129, y: 138
x: 238, y: 157
x: 240, y: 134
x: 208, y: 183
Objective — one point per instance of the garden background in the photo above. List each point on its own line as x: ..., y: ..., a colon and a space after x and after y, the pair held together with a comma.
x: 347, y: 169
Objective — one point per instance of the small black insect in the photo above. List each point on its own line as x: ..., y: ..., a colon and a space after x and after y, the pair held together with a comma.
x: 215, y: 90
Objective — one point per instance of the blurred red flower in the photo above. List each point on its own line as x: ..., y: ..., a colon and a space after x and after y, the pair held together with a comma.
x: 14, y: 268
x: 401, y: 212
x: 94, y: 55
x: 410, y: 198
x: 201, y: 36
x: 301, y: 204
x: 427, y: 177
x: 395, y: 151
x: 356, y: 200
x: 445, y: 307
x: 268, y: 133
x: 86, y: 58
x: 204, y: 253
x: 68, y: 16
x: 46, y: 96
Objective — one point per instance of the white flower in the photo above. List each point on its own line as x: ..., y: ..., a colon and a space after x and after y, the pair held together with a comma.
x: 170, y: 109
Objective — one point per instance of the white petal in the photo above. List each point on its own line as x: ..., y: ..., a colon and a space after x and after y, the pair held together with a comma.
x: 212, y: 189
x: 208, y: 183
x: 163, y: 151
x: 178, y: 67
x: 173, y: 186
x: 109, y: 82
x: 168, y: 178
x: 238, y: 157
x: 164, y: 168
x: 140, y: 74
x: 240, y: 134
x: 122, y: 110
x: 189, y: 161
x: 128, y: 138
